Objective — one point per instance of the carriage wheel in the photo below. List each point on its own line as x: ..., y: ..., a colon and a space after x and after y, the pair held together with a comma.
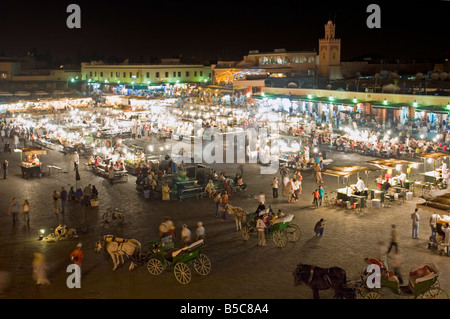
x: 434, y: 293
x: 245, y: 232
x: 155, y: 266
x: 182, y: 273
x: 279, y: 238
x: 372, y: 295
x: 202, y: 265
x: 293, y: 233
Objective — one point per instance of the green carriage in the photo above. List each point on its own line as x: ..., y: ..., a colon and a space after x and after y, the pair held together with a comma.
x: 163, y: 256
x: 423, y: 283
x: 282, y: 230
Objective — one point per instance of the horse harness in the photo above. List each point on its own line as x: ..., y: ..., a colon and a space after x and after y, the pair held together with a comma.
x: 326, y: 277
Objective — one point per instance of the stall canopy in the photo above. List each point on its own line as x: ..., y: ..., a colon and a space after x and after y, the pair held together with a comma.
x: 438, y: 204
x: 344, y: 171
x: 389, y: 163
x: 435, y: 156
x: 33, y: 151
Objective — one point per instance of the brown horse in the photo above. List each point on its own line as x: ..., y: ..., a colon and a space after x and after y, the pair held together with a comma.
x: 322, y: 279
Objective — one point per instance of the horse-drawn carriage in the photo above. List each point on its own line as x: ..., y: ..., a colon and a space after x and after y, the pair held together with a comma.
x: 163, y: 256
x: 282, y: 230
x: 422, y: 283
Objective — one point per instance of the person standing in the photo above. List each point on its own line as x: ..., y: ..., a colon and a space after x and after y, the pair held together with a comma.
x: 5, y: 169
x: 87, y: 193
x: 26, y: 212
x: 261, y: 226
x: 319, y: 227
x: 415, y: 224
x: 185, y: 235
x: 40, y: 269
x: 316, y: 197
x: 63, y: 196
x: 318, y: 174
x: 394, y: 239
x: 433, y: 224
x: 77, y: 255
x: 446, y: 231
x: 218, y: 200
x: 200, y: 231
x: 111, y: 174
x: 76, y: 160
x: 275, y: 187
x: 321, y: 192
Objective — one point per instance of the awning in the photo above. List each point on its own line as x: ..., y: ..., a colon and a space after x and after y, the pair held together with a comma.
x: 435, y: 155
x: 344, y: 171
x: 389, y: 106
x: 33, y: 151
x: 390, y: 163
x: 433, y: 109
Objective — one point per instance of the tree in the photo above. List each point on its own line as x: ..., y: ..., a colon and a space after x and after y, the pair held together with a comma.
x: 377, y: 76
x: 443, y: 75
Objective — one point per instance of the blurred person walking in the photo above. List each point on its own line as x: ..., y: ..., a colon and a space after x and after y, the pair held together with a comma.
x: 26, y: 212
x: 394, y: 239
x: 40, y: 269
x: 396, y: 262
x: 63, y: 196
x: 13, y: 210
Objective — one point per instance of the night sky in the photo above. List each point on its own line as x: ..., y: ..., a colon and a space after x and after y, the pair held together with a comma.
x: 222, y: 29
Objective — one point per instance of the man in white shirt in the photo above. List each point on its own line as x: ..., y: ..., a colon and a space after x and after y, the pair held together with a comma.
x: 360, y: 187
x: 444, y: 167
x: 402, y: 178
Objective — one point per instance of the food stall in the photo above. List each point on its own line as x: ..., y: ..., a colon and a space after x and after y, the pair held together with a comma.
x: 435, y: 175
x: 392, y: 164
x: 349, y: 193
x: 31, y: 164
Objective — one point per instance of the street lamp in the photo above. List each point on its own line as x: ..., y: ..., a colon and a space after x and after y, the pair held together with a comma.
x: 415, y: 103
x: 355, y: 100
x: 385, y: 102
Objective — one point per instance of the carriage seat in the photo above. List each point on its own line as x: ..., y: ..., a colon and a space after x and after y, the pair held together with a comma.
x: 423, y: 273
x: 189, y: 248
x: 286, y: 219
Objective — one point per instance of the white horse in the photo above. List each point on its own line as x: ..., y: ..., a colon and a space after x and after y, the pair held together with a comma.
x: 118, y: 247
x: 240, y: 215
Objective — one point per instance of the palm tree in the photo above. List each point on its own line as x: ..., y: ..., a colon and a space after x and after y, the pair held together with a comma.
x: 377, y: 76
x: 395, y: 85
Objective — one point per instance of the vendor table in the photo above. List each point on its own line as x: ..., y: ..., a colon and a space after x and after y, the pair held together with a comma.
x: 30, y: 171
x: 432, y: 176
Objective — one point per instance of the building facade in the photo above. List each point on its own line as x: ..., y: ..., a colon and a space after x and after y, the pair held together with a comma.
x: 145, y: 74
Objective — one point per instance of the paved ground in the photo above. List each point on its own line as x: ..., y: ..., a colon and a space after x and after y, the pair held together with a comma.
x: 240, y: 269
